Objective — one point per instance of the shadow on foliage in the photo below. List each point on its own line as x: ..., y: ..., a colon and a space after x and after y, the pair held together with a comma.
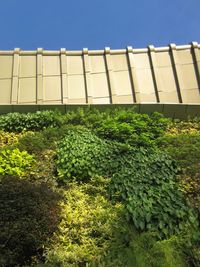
x: 29, y: 214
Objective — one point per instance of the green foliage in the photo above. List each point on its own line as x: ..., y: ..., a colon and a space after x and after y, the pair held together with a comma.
x: 7, y: 139
x: 122, y: 125
x: 185, y: 149
x: 143, y: 179
x: 147, y: 252
x: 32, y: 142
x: 92, y: 231
x: 147, y: 186
x: 14, y: 162
x: 28, y: 217
x: 190, y: 126
x: 82, y: 154
x: 44, y: 169
x: 18, y: 122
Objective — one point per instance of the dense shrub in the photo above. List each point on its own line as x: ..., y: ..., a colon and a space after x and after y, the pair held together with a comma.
x: 92, y: 230
x: 148, y: 252
x: 32, y: 142
x: 190, y: 126
x: 18, y: 122
x: 143, y: 179
x: 28, y: 217
x: 185, y: 149
x: 82, y: 155
x: 44, y: 168
x: 122, y: 125
x: 14, y: 162
x: 7, y: 139
x: 147, y: 186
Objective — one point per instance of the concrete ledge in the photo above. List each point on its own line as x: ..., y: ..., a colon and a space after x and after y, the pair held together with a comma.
x: 181, y: 111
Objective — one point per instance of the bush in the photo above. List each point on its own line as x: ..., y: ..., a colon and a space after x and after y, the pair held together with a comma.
x: 190, y: 126
x: 7, y: 139
x: 92, y: 231
x: 18, y: 122
x: 44, y: 169
x: 14, y: 162
x: 148, y: 252
x: 185, y: 149
x: 122, y: 125
x: 146, y: 184
x: 82, y: 155
x: 143, y: 179
x: 28, y: 217
x: 32, y: 142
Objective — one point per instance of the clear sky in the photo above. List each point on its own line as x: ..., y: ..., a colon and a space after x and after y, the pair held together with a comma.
x: 76, y: 24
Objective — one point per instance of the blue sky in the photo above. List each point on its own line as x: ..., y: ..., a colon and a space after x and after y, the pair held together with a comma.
x: 97, y: 23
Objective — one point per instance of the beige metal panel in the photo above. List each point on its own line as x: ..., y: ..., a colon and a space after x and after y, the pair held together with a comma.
x: 133, y: 75
x: 177, y: 72
x: 6, y: 63
x: 146, y: 85
x: 141, y: 60
x: 5, y: 91
x: 123, y: 83
x: 87, y: 76
x: 40, y: 89
x: 192, y: 95
x: 77, y: 101
x: 158, y: 82
x: 196, y: 52
x: 27, y: 66
x: 75, y: 65
x: 76, y: 85
x: 125, y: 99
x: 27, y: 90
x: 169, y: 74
x: 189, y: 76
x: 52, y: 88
x: 185, y: 56
x: 97, y: 64
x: 51, y: 65
x: 100, y: 85
x: 163, y: 59
x: 64, y: 80
x: 120, y: 62
x: 168, y: 97
x: 169, y: 94
x: 52, y: 102
x: 15, y: 77
x: 103, y: 100
x: 111, y: 78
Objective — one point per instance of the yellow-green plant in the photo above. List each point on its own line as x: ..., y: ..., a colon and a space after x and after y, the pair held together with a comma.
x: 7, y: 138
x: 14, y: 162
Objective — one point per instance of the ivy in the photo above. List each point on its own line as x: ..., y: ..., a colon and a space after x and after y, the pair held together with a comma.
x: 147, y: 186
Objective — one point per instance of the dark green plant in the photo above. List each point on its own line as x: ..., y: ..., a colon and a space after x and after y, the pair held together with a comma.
x: 146, y: 251
x: 147, y: 186
x: 82, y: 155
x: 143, y: 179
x: 29, y: 215
x: 185, y: 149
x: 122, y: 125
x: 18, y: 122
x: 32, y: 142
